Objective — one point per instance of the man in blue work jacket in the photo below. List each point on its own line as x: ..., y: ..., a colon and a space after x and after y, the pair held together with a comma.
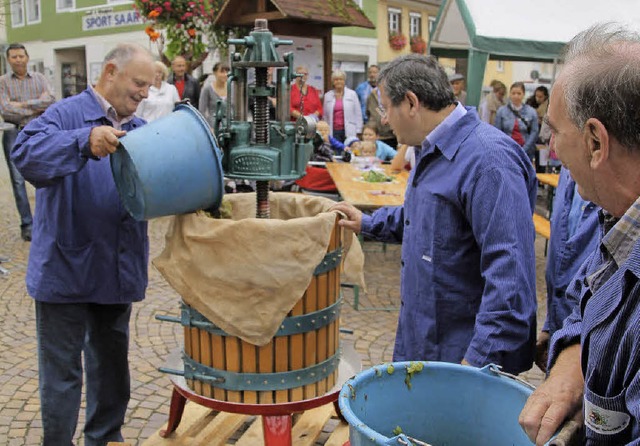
x: 88, y: 259
x: 364, y: 89
x: 594, y: 358
x: 575, y: 233
x: 468, y: 262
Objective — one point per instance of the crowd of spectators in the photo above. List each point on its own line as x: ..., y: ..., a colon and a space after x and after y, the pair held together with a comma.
x: 348, y: 116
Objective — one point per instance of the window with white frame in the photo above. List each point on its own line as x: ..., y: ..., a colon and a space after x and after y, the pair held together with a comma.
x: 17, y: 13
x: 394, y: 20
x: 432, y: 23
x: 64, y: 5
x: 500, y: 66
x: 33, y: 11
x: 415, y: 24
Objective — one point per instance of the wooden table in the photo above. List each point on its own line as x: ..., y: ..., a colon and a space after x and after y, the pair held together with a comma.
x: 365, y: 195
x: 548, y: 178
x: 541, y: 222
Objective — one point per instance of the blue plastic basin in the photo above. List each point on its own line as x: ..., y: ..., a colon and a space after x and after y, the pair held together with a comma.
x: 443, y: 404
x: 169, y: 166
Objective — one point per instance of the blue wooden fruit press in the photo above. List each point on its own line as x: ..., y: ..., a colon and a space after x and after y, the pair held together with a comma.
x: 263, y: 150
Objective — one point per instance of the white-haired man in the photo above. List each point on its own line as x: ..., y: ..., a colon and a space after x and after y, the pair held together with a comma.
x: 88, y: 259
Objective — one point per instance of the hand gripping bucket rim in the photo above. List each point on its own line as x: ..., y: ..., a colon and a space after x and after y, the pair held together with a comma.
x: 169, y: 166
x: 435, y: 402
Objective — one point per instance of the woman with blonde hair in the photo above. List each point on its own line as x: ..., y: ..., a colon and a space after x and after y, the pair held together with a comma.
x: 342, y: 109
x: 162, y: 96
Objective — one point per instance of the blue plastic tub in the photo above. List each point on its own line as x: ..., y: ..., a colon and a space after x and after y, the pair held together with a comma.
x: 435, y: 402
x: 169, y: 166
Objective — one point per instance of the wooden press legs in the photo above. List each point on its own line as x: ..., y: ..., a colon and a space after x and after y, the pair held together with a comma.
x: 276, y: 428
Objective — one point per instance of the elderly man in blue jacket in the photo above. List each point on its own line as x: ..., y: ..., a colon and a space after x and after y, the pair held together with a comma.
x: 594, y: 358
x: 575, y: 233
x: 468, y: 262
x: 88, y: 259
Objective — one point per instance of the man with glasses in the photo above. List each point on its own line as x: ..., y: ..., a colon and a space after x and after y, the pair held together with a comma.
x: 375, y: 114
x: 468, y: 262
x: 24, y: 95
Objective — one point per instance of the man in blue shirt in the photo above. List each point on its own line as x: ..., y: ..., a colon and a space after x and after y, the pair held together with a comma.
x: 88, y: 259
x: 364, y: 89
x: 468, y: 263
x: 594, y: 358
x: 575, y: 234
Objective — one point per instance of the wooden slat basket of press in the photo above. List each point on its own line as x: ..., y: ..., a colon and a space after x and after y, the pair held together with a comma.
x: 299, y: 363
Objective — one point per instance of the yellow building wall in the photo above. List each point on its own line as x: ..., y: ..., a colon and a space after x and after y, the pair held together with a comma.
x: 448, y: 64
x: 502, y: 73
x: 385, y: 52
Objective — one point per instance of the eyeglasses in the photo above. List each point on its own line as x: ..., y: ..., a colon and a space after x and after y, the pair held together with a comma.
x: 381, y: 111
x: 303, y: 74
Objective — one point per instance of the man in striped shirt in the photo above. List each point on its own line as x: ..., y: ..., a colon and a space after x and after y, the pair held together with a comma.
x: 24, y: 95
x: 594, y: 359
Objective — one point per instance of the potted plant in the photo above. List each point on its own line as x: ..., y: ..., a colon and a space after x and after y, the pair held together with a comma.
x: 418, y: 45
x: 397, y: 41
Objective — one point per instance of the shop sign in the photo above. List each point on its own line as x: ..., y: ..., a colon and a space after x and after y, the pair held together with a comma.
x: 114, y: 19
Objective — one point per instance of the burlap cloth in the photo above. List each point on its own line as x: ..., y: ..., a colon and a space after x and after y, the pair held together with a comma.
x: 571, y: 434
x: 245, y: 274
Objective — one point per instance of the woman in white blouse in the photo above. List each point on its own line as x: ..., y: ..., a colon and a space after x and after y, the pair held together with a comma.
x: 342, y: 109
x: 162, y: 96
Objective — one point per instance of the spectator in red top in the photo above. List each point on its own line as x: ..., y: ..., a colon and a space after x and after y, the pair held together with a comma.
x: 305, y: 100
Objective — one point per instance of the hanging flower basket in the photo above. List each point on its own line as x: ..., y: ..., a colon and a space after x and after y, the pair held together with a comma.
x: 418, y: 45
x: 397, y: 41
x: 185, y: 22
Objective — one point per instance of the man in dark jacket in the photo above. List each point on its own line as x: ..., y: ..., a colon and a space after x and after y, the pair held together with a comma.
x: 187, y: 86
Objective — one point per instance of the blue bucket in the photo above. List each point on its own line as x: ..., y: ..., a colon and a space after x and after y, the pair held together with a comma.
x: 169, y: 166
x: 435, y: 402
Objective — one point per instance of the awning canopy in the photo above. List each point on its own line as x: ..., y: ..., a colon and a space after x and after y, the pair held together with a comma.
x: 534, y: 30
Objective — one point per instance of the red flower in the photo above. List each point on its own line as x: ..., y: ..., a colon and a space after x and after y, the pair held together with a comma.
x: 397, y: 41
x: 418, y: 45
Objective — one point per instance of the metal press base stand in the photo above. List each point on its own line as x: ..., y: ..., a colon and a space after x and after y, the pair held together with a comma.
x: 276, y: 418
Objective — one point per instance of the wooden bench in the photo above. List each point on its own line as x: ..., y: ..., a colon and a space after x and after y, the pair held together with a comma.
x: 542, y: 225
x: 201, y: 426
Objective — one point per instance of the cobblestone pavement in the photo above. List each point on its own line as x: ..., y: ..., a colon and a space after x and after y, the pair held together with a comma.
x: 152, y: 341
